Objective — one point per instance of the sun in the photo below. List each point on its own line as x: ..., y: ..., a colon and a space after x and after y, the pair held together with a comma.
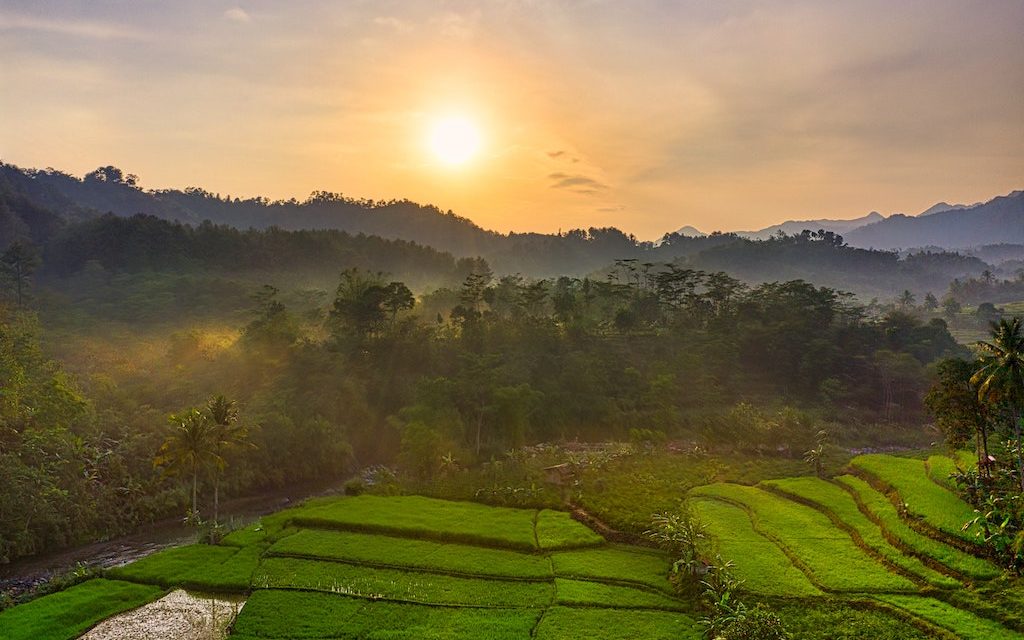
x: 454, y: 140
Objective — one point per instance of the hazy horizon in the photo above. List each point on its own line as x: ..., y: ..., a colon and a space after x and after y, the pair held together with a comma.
x: 647, y: 116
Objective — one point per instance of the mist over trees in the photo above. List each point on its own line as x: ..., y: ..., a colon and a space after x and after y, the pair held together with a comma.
x: 50, y: 206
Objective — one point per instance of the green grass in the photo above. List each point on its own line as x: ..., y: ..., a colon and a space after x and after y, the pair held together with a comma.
x: 416, y: 516
x: 842, y: 505
x: 581, y: 592
x: 392, y: 584
x: 626, y: 493
x: 828, y: 619
x: 615, y: 563
x: 272, y: 614
x: 563, y: 623
x: 925, y: 499
x: 836, y: 563
x: 68, y: 614
x: 557, y: 530
x: 940, y: 468
x: 758, y: 561
x: 198, y: 566
x: 265, y: 532
x: 964, y: 624
x: 414, y: 553
x: 880, y: 507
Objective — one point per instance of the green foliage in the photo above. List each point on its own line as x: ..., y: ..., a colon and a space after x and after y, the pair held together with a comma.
x: 615, y: 564
x: 565, y: 623
x: 941, y: 470
x: 557, y: 530
x: 962, y: 623
x: 423, y: 517
x: 580, y: 593
x: 759, y: 623
x: 828, y: 553
x: 953, y: 401
x: 761, y: 565
x: 829, y: 619
x: 881, y: 509
x: 841, y: 505
x: 392, y: 584
x: 203, y: 567
x: 922, y: 498
x: 68, y: 614
x: 626, y: 491
x: 412, y: 553
x: 294, y: 614
x: 684, y: 535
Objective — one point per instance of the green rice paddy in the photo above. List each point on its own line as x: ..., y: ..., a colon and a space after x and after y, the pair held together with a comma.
x: 824, y: 551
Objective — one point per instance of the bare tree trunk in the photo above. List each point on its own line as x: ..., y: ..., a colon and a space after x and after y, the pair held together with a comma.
x: 1020, y: 453
x: 216, y: 497
x: 195, y: 489
x: 984, y: 443
x: 479, y: 428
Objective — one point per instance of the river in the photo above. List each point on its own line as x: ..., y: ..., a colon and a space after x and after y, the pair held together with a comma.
x: 25, y: 573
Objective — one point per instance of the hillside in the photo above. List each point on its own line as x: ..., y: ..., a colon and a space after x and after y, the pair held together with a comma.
x: 76, y: 221
x: 1000, y: 220
x: 372, y: 566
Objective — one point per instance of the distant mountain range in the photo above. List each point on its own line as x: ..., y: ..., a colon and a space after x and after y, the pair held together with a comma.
x: 998, y: 221
x: 940, y: 226
x: 796, y: 226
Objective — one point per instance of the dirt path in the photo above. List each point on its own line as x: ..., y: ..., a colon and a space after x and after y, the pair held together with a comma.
x: 177, y: 616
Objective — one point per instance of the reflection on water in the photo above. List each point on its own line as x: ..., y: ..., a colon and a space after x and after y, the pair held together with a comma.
x: 177, y: 616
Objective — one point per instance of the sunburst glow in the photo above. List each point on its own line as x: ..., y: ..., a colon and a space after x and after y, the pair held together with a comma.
x: 454, y: 140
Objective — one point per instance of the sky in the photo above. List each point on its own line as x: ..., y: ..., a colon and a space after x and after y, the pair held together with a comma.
x: 645, y: 115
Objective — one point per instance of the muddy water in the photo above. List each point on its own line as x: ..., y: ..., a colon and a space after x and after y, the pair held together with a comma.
x: 177, y: 616
x: 24, y: 574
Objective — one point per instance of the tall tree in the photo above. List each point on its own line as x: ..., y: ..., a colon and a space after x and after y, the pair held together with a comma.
x: 227, y: 434
x: 1000, y: 376
x: 190, y: 448
x: 17, y: 264
x: 953, y: 402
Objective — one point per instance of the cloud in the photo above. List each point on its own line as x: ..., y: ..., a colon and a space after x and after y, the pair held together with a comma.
x: 391, y: 22
x: 237, y: 14
x: 556, y: 154
x: 82, y: 29
x: 576, y: 183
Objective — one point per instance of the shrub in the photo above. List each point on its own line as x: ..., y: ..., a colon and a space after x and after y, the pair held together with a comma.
x: 354, y: 487
x: 759, y: 623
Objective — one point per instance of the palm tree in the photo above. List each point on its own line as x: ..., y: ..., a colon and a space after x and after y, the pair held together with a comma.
x: 227, y: 434
x: 189, y: 449
x: 906, y: 299
x: 1000, y: 378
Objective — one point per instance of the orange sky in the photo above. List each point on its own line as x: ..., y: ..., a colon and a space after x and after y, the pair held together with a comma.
x: 643, y: 115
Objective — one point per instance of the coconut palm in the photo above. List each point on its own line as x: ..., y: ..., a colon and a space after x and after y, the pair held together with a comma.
x: 190, y: 448
x: 1000, y: 378
x: 227, y: 434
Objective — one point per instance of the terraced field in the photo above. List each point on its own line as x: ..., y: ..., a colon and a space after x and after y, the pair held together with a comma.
x: 888, y: 536
x: 404, y: 567
x: 878, y: 546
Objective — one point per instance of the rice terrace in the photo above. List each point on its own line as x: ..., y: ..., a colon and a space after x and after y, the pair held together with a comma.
x: 880, y: 543
x: 513, y: 319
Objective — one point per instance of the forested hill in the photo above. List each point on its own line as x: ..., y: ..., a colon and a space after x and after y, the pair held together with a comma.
x: 1000, y: 220
x: 108, y: 189
x: 97, y: 218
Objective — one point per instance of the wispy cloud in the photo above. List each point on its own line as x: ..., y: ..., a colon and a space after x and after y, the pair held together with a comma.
x: 237, y: 14
x: 577, y: 183
x: 393, y: 23
x: 76, y: 28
